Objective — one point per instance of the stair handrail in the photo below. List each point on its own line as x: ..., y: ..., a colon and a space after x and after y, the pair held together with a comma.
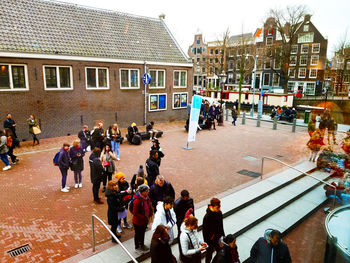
x: 93, y: 216
x: 274, y: 159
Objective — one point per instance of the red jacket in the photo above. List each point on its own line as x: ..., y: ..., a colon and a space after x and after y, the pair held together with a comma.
x: 140, y: 208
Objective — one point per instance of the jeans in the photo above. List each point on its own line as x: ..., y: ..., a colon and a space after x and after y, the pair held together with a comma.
x: 139, y: 238
x: 212, y: 246
x: 115, y: 147
x: 35, y: 138
x: 5, y: 159
x: 105, y: 176
x: 64, y: 172
x: 77, y: 177
x: 10, y: 153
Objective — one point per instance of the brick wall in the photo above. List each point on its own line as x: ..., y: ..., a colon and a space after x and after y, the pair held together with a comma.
x: 64, y: 112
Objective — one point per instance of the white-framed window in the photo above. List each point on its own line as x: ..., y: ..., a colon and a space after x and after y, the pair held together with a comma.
x: 269, y: 41
x: 302, y: 73
x: 13, y: 77
x: 58, y: 77
x: 157, y: 79
x: 293, y: 61
x: 306, y: 37
x: 267, y: 64
x: 306, y: 28
x: 157, y: 101
x: 217, y: 51
x: 291, y: 86
x: 316, y: 48
x: 304, y: 49
x: 310, y: 88
x: 216, y: 60
x: 291, y: 72
x: 303, y: 60
x: 313, y: 73
x: 96, y: 78
x: 275, y: 80
x: 129, y: 78
x: 211, y: 52
x: 180, y: 100
x: 314, y: 60
x: 266, y: 79
x: 180, y: 78
x: 210, y: 61
x: 294, y: 49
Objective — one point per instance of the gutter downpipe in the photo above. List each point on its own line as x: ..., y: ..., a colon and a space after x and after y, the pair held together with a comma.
x: 145, y: 116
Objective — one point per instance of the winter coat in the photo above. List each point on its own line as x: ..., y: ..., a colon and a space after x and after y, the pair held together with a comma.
x: 142, y: 210
x: 32, y: 123
x: 234, y: 114
x: 190, y: 242
x: 85, y: 138
x: 180, y: 208
x: 168, y: 219
x: 263, y: 250
x: 161, y: 252
x: 157, y: 193
x: 227, y: 254
x: 160, y: 154
x: 133, y: 182
x: 97, y: 135
x: 132, y: 131
x: 3, y: 145
x: 77, y: 162
x: 115, y: 205
x: 111, y: 167
x: 96, y: 169
x: 149, y: 127
x: 64, y: 159
x: 8, y: 123
x: 213, y: 228
x: 152, y: 169
x: 114, y: 135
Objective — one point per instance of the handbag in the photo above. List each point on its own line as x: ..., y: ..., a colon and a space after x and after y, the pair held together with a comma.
x: 36, y: 130
x: 105, y: 164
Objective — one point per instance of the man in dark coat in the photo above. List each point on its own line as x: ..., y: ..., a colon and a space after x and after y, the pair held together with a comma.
x: 63, y: 164
x: 270, y: 249
x: 152, y: 167
x: 97, y: 136
x: 85, y: 137
x: 181, y: 206
x: 213, y: 228
x: 10, y: 124
x: 96, y: 173
x: 132, y: 131
x: 228, y: 252
x: 159, y: 190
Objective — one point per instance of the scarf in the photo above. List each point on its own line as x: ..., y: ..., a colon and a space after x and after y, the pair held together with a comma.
x: 168, y: 217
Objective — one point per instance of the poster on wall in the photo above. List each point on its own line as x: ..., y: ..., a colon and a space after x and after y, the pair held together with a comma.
x: 176, y: 100
x: 184, y: 100
x: 154, y: 102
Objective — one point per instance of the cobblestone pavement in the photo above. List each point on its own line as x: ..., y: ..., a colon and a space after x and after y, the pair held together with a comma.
x: 57, y: 225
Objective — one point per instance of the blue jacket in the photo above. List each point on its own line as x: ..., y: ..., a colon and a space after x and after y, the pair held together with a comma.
x: 63, y: 159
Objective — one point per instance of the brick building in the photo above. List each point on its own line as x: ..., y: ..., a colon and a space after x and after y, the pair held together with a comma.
x: 199, y: 54
x: 72, y: 65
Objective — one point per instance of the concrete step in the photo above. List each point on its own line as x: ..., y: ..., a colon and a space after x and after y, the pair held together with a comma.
x: 230, y: 205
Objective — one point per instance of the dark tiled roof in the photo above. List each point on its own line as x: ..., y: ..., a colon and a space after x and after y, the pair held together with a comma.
x: 50, y: 27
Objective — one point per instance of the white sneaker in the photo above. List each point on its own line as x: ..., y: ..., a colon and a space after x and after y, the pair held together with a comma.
x: 64, y: 190
x: 6, y: 168
x: 118, y: 158
x: 76, y: 186
x: 67, y: 187
x: 119, y: 229
x: 80, y: 185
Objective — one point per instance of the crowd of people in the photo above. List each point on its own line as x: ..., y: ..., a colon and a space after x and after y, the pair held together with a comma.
x: 286, y: 113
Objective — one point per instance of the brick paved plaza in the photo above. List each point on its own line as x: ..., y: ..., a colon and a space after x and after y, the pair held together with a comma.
x: 57, y: 225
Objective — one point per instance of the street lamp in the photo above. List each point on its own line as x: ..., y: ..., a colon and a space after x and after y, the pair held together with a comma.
x: 222, y: 82
x: 253, y: 81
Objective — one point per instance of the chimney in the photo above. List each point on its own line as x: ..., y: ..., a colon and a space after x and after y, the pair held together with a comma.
x: 162, y: 16
x: 307, y: 18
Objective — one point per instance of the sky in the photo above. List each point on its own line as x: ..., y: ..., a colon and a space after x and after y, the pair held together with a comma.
x: 185, y: 18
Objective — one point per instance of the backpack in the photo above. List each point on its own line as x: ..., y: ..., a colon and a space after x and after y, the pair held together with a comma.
x: 55, y: 159
x: 9, y: 141
x: 131, y: 204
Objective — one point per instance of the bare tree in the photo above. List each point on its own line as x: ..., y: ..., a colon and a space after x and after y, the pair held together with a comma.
x: 287, y: 22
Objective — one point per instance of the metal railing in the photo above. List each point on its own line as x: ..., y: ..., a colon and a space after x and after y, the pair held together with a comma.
x: 115, y: 238
x: 274, y: 159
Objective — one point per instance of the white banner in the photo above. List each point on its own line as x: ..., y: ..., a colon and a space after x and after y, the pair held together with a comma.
x: 194, y: 116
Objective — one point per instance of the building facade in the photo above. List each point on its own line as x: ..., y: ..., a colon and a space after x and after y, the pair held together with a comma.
x: 198, y: 53
x: 81, y: 65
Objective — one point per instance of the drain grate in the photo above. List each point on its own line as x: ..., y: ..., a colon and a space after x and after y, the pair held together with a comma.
x: 18, y: 251
x: 249, y: 173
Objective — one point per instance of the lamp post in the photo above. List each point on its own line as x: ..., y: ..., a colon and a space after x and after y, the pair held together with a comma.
x: 222, y: 83
x: 253, y: 81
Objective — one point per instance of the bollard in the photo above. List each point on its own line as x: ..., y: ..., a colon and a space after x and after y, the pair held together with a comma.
x: 294, y: 125
x: 243, y: 118
x: 258, y: 121
x: 274, y: 127
x: 226, y: 117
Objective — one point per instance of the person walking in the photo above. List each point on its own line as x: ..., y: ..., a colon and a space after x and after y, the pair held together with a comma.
x: 107, y: 159
x: 34, y: 129
x: 165, y: 215
x: 85, y: 138
x: 270, y: 249
x: 115, y: 137
x: 228, y: 253
x: 4, y: 150
x: 142, y: 212
x: 11, y: 124
x: 160, y: 248
x: 115, y: 205
x: 234, y: 115
x: 76, y: 154
x: 213, y: 229
x: 11, y: 145
x: 63, y: 164
x: 96, y: 173
x: 191, y: 244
